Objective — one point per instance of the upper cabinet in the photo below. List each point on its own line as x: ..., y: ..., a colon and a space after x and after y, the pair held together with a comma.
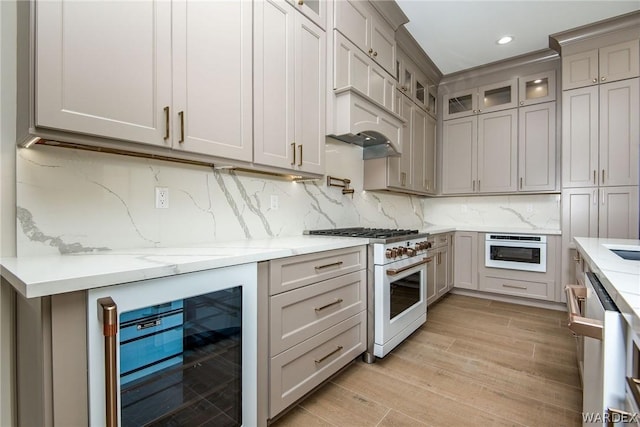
x: 607, y: 64
x: 485, y: 99
x: 290, y: 88
x: 154, y: 86
x: 537, y: 147
x: 364, y: 26
x: 316, y: 10
x: 414, y: 84
x: 537, y: 88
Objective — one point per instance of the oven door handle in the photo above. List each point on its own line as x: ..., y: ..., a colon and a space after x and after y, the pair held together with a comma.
x: 579, y: 325
x: 395, y: 271
x: 109, y: 317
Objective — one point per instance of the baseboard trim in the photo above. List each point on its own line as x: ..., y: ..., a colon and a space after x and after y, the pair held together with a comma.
x: 515, y: 300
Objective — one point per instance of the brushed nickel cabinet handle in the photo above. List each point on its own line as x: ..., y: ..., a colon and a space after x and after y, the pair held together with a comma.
x: 504, y: 285
x: 293, y: 150
x: 166, y: 122
x: 579, y: 325
x: 521, y: 183
x: 474, y: 185
x: 603, y: 176
x: 478, y: 185
x: 323, y: 358
x: 181, y: 115
x: 403, y: 179
x: 110, y: 330
x: 337, y: 301
x: 602, y: 196
x: 333, y: 264
x: 595, y: 174
x: 396, y: 271
x: 300, y: 159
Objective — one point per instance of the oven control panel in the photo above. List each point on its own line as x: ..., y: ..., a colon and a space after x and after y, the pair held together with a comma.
x: 386, y: 253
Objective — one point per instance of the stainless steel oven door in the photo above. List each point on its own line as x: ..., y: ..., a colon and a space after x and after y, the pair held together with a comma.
x: 401, y: 301
x: 515, y: 255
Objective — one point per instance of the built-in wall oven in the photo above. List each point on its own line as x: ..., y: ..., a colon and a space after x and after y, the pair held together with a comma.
x: 179, y: 350
x: 516, y: 252
x: 397, y: 262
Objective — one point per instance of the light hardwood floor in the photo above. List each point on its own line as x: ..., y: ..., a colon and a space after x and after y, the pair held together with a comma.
x: 475, y: 362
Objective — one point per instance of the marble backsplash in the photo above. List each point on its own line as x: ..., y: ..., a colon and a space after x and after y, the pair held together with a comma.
x: 73, y: 201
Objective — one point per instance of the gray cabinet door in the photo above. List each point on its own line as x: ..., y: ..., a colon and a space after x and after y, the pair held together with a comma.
x: 580, y: 137
x: 430, y: 155
x: 465, y: 273
x: 618, y: 212
x: 537, y: 147
x: 459, y: 155
x: 580, y: 69
x: 619, y: 132
x: 619, y: 61
x: 418, y: 139
x: 498, y: 151
x: 579, y: 213
x: 399, y: 168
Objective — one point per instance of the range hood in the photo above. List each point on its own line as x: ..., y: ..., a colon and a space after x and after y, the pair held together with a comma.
x: 359, y: 121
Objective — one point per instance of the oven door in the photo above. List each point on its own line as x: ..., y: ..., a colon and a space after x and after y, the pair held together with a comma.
x: 400, y: 303
x: 516, y: 255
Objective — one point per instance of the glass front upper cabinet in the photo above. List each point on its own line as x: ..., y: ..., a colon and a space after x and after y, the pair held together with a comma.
x: 460, y: 104
x: 498, y: 96
x: 537, y: 88
x: 432, y: 96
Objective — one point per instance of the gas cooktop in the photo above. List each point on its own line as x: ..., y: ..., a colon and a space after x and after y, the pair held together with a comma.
x: 383, y: 235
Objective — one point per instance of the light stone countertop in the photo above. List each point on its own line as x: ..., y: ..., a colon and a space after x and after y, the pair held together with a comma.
x: 435, y: 229
x: 39, y: 276
x: 620, y: 277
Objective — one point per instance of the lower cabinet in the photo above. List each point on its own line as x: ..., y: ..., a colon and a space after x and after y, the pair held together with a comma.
x: 465, y: 271
x: 438, y: 268
x: 317, y: 320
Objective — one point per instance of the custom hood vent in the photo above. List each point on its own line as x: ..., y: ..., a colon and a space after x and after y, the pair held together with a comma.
x: 359, y: 121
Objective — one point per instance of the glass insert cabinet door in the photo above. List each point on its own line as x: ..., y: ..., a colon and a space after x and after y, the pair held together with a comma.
x: 460, y: 104
x: 186, y: 350
x: 537, y: 88
x: 498, y: 96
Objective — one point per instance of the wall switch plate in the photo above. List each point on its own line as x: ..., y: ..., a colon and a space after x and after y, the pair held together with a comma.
x: 275, y: 202
x: 162, y: 198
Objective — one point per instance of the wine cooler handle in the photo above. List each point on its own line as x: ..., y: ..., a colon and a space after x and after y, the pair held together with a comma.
x: 110, y: 332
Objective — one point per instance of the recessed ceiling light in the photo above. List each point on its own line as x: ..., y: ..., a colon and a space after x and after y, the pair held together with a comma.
x: 505, y: 40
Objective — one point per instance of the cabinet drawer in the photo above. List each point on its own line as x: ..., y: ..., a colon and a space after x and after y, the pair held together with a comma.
x: 304, y: 312
x: 300, y: 369
x: 293, y: 272
x: 522, y: 288
x: 438, y: 240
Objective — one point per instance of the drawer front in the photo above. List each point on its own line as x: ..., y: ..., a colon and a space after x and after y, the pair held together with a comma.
x: 300, y: 369
x: 439, y: 240
x: 304, y: 312
x: 293, y: 272
x: 522, y: 288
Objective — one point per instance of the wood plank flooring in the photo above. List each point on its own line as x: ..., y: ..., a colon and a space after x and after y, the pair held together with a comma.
x: 475, y: 362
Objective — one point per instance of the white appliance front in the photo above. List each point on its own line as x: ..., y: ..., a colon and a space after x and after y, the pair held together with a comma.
x: 604, y: 361
x: 400, y: 302
x: 516, y: 252
x: 158, y: 292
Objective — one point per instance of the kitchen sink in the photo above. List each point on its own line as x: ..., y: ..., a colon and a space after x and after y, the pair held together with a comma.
x: 632, y: 255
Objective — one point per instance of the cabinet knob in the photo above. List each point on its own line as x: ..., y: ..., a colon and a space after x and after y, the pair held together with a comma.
x: 521, y: 102
x: 479, y: 111
x: 404, y: 88
x: 370, y: 51
x: 375, y: 54
x: 475, y: 111
x: 300, y: 2
x: 595, y: 80
x: 603, y: 78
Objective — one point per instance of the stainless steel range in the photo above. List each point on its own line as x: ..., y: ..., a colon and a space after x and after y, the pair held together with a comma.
x: 397, y: 284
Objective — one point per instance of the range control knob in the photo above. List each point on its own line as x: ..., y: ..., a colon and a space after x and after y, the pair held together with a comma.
x: 417, y: 247
x: 389, y: 254
x: 411, y: 252
x: 401, y: 250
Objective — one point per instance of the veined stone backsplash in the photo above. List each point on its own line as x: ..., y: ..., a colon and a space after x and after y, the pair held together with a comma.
x: 529, y: 212
x: 72, y: 201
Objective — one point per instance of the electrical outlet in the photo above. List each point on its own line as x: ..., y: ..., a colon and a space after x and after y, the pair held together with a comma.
x: 275, y: 202
x: 162, y: 198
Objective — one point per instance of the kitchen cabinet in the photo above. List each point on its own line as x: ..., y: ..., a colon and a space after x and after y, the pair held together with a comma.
x: 289, y: 85
x: 601, y: 134
x: 465, y: 258
x: 438, y: 267
x: 480, y: 153
x: 605, y: 212
x: 317, y: 320
x: 316, y: 10
x: 606, y: 64
x: 155, y: 86
x: 355, y: 70
x: 363, y: 25
x: 414, y: 170
x: 537, y: 88
x: 414, y: 84
x: 479, y: 100
x: 537, y: 147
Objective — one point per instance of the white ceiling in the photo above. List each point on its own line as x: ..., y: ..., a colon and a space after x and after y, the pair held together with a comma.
x: 458, y: 35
